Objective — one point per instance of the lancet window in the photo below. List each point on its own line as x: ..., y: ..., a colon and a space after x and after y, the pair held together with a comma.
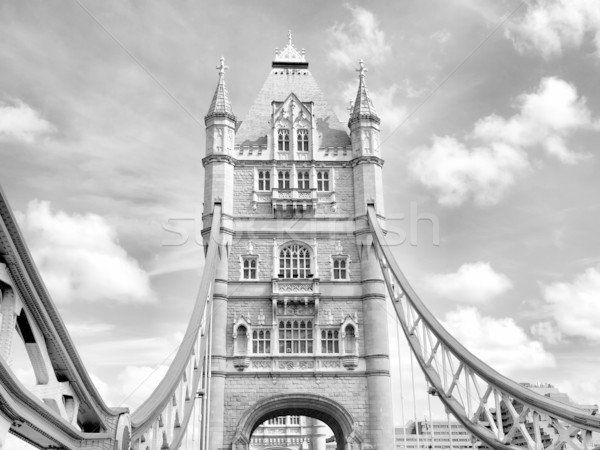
x: 295, y: 336
x: 294, y: 262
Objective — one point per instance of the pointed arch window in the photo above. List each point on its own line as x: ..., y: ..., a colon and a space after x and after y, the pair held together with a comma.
x: 294, y: 262
x: 283, y: 140
x: 283, y: 179
x: 322, y: 180
x: 303, y: 180
x: 261, y: 341
x: 295, y: 336
x: 302, y: 137
x: 330, y: 342
x: 264, y: 180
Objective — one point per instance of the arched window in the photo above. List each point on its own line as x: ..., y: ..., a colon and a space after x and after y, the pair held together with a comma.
x: 241, y: 341
x: 294, y: 262
x: 302, y: 140
x: 322, y: 180
x: 330, y: 341
x: 283, y: 179
x: 350, y: 340
x: 340, y: 268
x: 264, y: 180
x: 261, y: 341
x: 283, y: 140
x: 295, y: 336
x: 303, y: 179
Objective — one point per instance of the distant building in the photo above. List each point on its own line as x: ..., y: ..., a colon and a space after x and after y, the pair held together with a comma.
x: 441, y: 434
x: 292, y: 433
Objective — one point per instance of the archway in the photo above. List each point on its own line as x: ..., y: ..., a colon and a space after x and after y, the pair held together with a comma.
x: 335, y: 416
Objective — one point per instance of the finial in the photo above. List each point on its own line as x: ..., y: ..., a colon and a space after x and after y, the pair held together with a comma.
x: 361, y: 69
x: 303, y: 52
x: 222, y: 67
x: 289, y: 37
x: 276, y: 51
x: 350, y: 106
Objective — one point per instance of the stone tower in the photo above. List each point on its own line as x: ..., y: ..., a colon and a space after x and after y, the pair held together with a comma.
x: 299, y: 312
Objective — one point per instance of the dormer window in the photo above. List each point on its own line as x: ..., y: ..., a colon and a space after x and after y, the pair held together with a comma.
x: 303, y: 180
x: 294, y: 262
x: 283, y: 179
x: 302, y: 140
x: 283, y: 140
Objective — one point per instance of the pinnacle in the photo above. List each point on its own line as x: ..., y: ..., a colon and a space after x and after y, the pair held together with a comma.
x: 220, y: 104
x: 363, y: 105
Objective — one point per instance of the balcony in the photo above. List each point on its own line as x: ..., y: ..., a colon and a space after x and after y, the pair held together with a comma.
x: 287, y: 202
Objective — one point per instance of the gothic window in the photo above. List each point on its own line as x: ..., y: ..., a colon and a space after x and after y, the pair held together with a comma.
x: 264, y: 180
x: 340, y: 268
x: 350, y: 340
x: 303, y: 180
x: 249, y: 268
x: 294, y: 262
x: 241, y: 341
x: 294, y: 420
x: 322, y: 180
x: 283, y: 178
x: 295, y: 336
x: 283, y: 140
x: 330, y: 341
x: 303, y: 140
x: 261, y: 341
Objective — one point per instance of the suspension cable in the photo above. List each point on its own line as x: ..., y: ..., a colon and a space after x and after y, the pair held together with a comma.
x: 431, y: 432
x: 401, y: 389
x: 412, y: 373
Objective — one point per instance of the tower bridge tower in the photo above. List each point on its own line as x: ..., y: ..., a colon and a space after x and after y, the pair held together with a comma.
x: 299, y: 312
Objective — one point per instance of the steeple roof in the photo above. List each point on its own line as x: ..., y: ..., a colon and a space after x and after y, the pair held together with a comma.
x: 290, y: 74
x: 220, y: 104
x: 363, y: 105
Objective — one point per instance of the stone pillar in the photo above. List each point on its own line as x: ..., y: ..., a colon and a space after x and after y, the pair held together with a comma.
x: 380, y: 427
x: 220, y: 328
x: 319, y: 436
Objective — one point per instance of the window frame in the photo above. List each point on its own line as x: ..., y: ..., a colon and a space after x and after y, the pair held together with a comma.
x: 295, y: 259
x: 283, y: 140
x: 303, y: 179
x: 283, y: 179
x: 264, y: 180
x: 337, y: 272
x: 330, y: 345
x: 302, y: 140
x: 295, y: 336
x: 323, y: 181
x: 261, y: 342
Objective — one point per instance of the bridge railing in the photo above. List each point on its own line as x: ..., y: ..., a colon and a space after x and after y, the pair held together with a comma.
x: 161, y: 421
x: 495, y: 409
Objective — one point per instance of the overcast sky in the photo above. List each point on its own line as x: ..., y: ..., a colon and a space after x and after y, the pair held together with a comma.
x: 490, y: 122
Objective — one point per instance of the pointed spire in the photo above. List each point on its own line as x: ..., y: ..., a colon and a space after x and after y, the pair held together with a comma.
x: 363, y: 105
x: 220, y: 104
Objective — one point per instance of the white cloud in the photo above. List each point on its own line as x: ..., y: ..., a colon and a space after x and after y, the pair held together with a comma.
x: 546, y: 117
x: 80, y: 258
x: 494, y: 154
x: 551, y: 26
x: 473, y: 283
x: 547, y: 331
x: 500, y: 343
x: 18, y: 121
x: 575, y: 306
x: 456, y: 173
x: 387, y: 106
x: 360, y: 39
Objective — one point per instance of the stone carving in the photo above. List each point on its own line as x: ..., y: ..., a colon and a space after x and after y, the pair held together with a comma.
x: 291, y: 365
x: 331, y: 364
x: 261, y: 364
x: 295, y: 288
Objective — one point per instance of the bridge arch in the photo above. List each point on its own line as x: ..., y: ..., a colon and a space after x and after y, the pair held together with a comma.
x: 331, y: 413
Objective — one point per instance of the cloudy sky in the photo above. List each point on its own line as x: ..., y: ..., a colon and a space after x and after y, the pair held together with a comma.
x: 490, y: 122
